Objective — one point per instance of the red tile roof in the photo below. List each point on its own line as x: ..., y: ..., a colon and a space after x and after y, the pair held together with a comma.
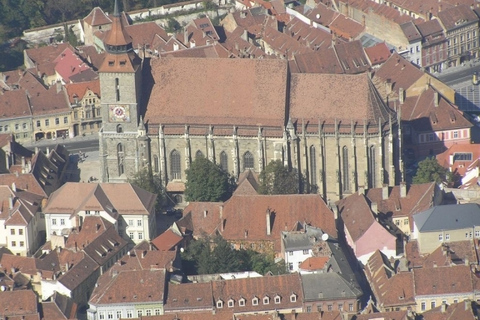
x: 459, y: 166
x: 167, y: 240
x: 184, y: 82
x: 97, y: 17
x: 378, y: 54
x: 68, y: 64
x: 80, y: 89
x: 443, y: 280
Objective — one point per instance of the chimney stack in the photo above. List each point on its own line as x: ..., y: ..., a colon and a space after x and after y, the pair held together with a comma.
x: 14, y: 187
x: 361, y: 190
x: 443, y: 307
x: 335, y: 211
x: 374, y: 207
x: 10, y: 202
x: 269, y: 222
x: 388, y: 86
x: 401, y: 95
x: 205, y: 213
x: 435, y: 98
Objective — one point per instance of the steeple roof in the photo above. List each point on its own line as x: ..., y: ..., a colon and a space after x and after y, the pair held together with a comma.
x: 117, y: 36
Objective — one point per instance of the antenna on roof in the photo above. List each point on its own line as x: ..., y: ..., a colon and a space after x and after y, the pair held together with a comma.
x: 116, y: 12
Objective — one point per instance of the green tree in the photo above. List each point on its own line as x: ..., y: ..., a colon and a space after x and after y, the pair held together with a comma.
x: 429, y: 170
x: 152, y: 183
x: 278, y: 179
x: 213, y: 254
x: 172, y: 25
x: 206, y: 181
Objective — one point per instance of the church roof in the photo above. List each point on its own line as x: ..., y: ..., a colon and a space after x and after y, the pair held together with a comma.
x: 117, y: 36
x: 332, y: 96
x: 218, y: 91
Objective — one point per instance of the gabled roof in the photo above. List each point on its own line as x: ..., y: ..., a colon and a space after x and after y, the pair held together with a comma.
x: 260, y: 287
x: 188, y: 296
x: 61, y: 307
x: 217, y: 88
x: 448, y: 217
x: 378, y: 53
x: 141, y: 286
x: 356, y: 215
x: 97, y: 17
x: 77, y: 91
x: 419, y: 197
x: 411, y: 32
x: 460, y: 310
x: 443, y: 280
x: 68, y: 64
x: 457, y: 17
x: 79, y: 273
x: 247, y: 214
x: 352, y: 57
x: 18, y: 302
x: 201, y: 217
x: 45, y: 55
x: 143, y: 34
x: 247, y: 183
x: 424, y: 114
x: 331, y: 96
x: 14, y: 104
x: 167, y: 240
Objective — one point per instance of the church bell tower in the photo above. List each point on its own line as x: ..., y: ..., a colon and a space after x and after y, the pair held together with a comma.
x: 123, y: 148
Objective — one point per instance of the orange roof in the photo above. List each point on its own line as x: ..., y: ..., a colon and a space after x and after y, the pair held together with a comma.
x: 78, y: 90
x: 314, y: 263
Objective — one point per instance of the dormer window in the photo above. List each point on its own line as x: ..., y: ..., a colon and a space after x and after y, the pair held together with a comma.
x: 266, y: 300
x: 255, y: 301
x: 231, y: 303
x: 277, y: 299
x: 219, y: 304
x: 111, y: 63
x: 241, y: 302
x: 293, y: 297
x: 123, y: 63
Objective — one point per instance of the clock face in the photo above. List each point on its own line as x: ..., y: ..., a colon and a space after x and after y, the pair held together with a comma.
x: 119, y: 113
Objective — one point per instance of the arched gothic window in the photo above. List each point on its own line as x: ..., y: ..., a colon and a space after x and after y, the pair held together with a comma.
x: 313, y: 166
x: 224, y: 161
x: 175, y: 165
x: 372, y: 167
x: 345, y: 170
x: 248, y: 162
x: 119, y: 128
x: 199, y: 154
x: 155, y: 163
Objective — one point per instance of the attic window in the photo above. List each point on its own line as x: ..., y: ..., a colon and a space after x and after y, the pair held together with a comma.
x: 241, y: 302
x: 255, y: 301
x: 462, y: 156
x: 266, y: 300
x: 219, y: 304
x: 277, y: 299
x: 123, y: 62
x: 231, y: 303
x: 293, y: 298
x: 111, y: 63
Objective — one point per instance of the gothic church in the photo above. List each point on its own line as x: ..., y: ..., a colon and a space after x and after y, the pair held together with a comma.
x: 162, y: 113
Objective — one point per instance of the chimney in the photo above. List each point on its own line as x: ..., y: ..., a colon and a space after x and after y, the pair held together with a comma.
x: 144, y: 253
x: 221, y: 211
x: 98, y: 227
x: 246, y: 233
x: 401, y: 95
x: 467, y: 262
x: 269, y: 222
x: 205, y: 213
x: 10, y: 202
x: 23, y: 165
x: 59, y: 86
x: 403, y: 189
x: 14, y: 187
x: 66, y: 266
x: 36, y: 150
x: 435, y: 99
x: 385, y: 192
x: 48, y: 150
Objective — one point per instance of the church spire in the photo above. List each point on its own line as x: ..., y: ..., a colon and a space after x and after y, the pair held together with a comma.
x: 116, y: 11
x: 117, y: 39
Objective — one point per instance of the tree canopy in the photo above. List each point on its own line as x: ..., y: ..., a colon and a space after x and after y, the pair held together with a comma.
x: 152, y: 183
x: 429, y: 170
x: 278, y: 179
x: 207, y: 181
x: 213, y: 254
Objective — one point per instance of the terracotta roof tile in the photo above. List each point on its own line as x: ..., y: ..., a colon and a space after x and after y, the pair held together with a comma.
x: 312, y: 97
x: 18, y: 303
x: 186, y: 82
x: 443, y: 280
x: 79, y: 90
x: 189, y: 296
x: 167, y: 240
x: 97, y: 17
x: 356, y: 215
x: 454, y: 17
x: 143, y: 34
x: 346, y: 28
x: 249, y: 213
x: 378, y: 54
x: 68, y: 64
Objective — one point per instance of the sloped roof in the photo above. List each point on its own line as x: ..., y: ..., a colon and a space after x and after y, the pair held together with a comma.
x: 217, y: 88
x: 332, y: 96
x: 97, y: 17
x: 18, y: 303
x: 457, y: 17
x: 356, y: 215
x: 141, y: 286
x: 79, y: 90
x: 331, y: 285
x: 248, y: 213
x: 188, y: 296
x: 443, y: 280
x: 448, y: 217
x: 167, y: 240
